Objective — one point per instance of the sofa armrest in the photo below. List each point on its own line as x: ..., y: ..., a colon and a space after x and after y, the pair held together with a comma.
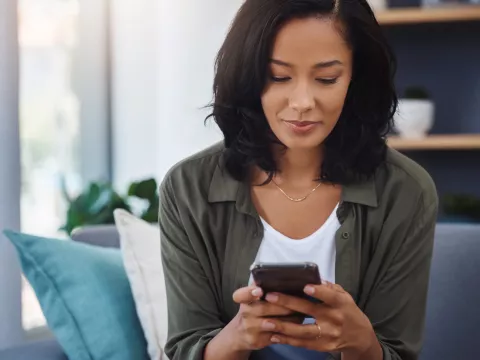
x: 43, y: 350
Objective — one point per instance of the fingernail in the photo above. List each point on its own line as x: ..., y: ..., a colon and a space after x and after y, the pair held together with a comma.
x: 309, y: 290
x: 257, y: 292
x: 324, y: 282
x: 267, y: 325
x: 275, y: 339
x: 272, y: 297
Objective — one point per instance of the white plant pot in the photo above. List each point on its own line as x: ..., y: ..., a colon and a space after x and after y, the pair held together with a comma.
x: 378, y: 5
x: 414, y: 118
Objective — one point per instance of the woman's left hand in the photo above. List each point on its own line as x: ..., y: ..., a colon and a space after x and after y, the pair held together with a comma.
x: 340, y: 325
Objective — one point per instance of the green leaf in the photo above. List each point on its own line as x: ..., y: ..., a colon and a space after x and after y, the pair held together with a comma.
x: 96, y: 204
x: 103, y: 199
x: 92, y: 195
x: 146, y: 189
x: 151, y: 215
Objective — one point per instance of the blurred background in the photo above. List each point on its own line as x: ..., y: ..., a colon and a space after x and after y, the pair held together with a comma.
x: 111, y: 92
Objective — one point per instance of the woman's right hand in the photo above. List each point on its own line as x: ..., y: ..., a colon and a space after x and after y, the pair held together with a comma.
x: 249, y: 329
x: 251, y: 324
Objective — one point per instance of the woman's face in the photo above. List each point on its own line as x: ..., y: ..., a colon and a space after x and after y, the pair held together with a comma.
x: 310, y: 71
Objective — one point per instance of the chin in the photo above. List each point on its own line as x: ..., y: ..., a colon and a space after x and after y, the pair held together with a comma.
x: 302, y: 144
x: 301, y: 141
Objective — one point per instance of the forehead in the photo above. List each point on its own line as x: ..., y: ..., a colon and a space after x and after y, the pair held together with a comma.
x: 311, y: 39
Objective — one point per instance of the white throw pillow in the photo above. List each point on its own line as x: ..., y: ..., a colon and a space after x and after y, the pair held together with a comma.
x: 140, y: 245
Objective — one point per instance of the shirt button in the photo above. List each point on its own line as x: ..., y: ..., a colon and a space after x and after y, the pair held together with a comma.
x: 345, y: 235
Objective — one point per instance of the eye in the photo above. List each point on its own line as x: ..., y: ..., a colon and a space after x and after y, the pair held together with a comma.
x: 330, y: 81
x: 280, y: 79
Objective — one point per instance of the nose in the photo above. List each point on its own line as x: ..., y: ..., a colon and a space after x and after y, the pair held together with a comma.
x: 301, y: 99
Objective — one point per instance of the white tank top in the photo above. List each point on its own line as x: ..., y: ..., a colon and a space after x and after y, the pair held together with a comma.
x: 319, y: 247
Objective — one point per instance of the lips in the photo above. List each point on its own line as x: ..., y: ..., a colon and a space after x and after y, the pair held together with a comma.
x: 302, y: 123
x: 302, y: 127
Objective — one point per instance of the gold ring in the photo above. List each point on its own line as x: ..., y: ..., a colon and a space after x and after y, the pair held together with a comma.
x: 319, y: 330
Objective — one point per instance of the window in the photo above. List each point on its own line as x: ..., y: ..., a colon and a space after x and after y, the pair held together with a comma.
x: 53, y: 133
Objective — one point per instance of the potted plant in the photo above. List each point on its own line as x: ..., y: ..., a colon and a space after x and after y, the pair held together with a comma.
x: 95, y: 205
x: 378, y: 5
x: 415, y: 114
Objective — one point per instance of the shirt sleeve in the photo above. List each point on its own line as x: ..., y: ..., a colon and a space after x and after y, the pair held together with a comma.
x: 397, y: 307
x: 193, y: 314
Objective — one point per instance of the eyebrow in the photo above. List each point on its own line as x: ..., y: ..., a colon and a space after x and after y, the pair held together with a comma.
x: 320, y: 65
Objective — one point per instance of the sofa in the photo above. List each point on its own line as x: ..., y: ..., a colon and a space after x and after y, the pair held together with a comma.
x: 451, y: 332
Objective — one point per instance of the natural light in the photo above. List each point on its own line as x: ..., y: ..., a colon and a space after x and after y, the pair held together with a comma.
x: 49, y: 122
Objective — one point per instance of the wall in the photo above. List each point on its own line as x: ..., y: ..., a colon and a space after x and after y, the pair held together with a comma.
x: 91, y: 85
x: 11, y: 331
x: 445, y: 58
x: 134, y: 42
x: 190, y: 34
x: 163, y: 57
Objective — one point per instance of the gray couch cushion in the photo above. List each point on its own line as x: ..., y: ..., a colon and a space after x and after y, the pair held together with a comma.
x: 452, y: 330
x: 100, y: 235
x: 43, y: 350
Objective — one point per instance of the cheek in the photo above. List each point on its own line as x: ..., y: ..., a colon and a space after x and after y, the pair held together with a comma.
x: 272, y: 103
x: 331, y: 103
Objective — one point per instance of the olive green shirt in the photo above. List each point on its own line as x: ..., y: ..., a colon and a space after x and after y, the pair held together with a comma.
x: 211, y: 232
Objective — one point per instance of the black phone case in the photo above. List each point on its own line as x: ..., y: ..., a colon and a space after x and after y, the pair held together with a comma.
x: 287, y: 278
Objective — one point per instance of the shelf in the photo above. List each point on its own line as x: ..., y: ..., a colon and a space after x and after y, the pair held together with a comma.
x: 429, y: 15
x: 437, y: 142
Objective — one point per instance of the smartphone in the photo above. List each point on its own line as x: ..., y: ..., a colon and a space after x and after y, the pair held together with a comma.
x: 286, y: 278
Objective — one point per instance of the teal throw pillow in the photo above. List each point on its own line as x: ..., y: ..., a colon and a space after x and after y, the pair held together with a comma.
x: 85, y: 295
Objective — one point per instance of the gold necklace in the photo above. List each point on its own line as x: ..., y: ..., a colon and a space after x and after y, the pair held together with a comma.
x: 296, y: 199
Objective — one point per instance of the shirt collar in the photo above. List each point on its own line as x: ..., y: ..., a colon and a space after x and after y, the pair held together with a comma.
x: 363, y: 193
x: 224, y: 188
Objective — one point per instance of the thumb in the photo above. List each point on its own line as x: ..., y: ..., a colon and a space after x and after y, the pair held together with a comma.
x: 330, y: 294
x: 247, y: 294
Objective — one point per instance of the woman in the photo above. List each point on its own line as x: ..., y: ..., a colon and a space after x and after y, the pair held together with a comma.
x: 304, y: 96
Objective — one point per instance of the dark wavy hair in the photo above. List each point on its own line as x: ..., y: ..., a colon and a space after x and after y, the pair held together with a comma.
x: 356, y: 146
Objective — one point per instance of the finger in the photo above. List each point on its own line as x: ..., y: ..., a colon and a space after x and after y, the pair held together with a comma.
x: 294, y: 319
x: 247, y: 294
x: 310, y: 344
x: 257, y: 327
x: 293, y: 303
x: 300, y: 331
x: 265, y: 309
x: 330, y: 294
x: 321, y: 345
x: 333, y: 286
x: 326, y: 338
x: 256, y: 333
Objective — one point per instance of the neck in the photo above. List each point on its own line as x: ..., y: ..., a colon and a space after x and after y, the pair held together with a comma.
x: 298, y: 167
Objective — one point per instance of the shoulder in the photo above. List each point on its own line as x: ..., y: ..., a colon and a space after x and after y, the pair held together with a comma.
x: 401, y: 177
x: 191, y: 176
